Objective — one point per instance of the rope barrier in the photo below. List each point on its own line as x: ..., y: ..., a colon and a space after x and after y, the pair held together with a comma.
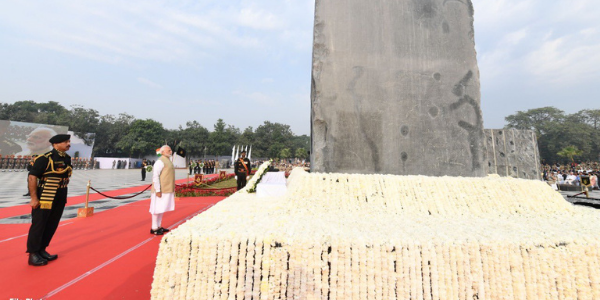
x: 120, y: 197
x: 129, y: 197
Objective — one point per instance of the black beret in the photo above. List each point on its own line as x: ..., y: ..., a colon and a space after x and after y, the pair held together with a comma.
x: 59, y: 138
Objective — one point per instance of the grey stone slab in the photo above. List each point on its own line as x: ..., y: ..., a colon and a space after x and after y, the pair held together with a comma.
x: 395, y: 89
x: 513, y: 153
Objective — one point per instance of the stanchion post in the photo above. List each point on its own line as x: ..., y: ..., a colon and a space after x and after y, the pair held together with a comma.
x: 87, y: 194
x: 86, y: 211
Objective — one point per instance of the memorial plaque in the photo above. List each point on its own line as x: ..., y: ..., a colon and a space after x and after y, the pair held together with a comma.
x: 395, y: 89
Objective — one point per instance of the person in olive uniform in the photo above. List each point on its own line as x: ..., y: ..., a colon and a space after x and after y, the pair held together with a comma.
x: 48, y: 180
x: 242, y: 170
x: 197, y: 167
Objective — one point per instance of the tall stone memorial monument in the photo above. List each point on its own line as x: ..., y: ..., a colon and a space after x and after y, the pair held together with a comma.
x: 395, y: 88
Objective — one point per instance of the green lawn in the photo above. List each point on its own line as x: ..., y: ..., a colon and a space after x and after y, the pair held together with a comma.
x: 223, y: 184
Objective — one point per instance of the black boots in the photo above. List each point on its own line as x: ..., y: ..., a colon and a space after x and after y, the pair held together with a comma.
x: 47, y: 256
x: 41, y: 258
x: 37, y: 260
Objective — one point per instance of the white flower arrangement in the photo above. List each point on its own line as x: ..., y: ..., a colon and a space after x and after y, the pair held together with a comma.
x: 253, y: 182
x: 349, y: 236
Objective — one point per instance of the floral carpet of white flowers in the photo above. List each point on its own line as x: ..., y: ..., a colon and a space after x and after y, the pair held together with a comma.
x: 343, y: 236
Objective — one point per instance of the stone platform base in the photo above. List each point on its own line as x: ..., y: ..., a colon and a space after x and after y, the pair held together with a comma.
x: 340, y: 236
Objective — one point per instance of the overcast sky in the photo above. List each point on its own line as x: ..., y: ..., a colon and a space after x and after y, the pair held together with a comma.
x: 248, y: 61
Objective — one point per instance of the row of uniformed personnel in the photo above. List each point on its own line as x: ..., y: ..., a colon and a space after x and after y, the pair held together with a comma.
x: 207, y: 166
x: 14, y: 163
x: 20, y: 163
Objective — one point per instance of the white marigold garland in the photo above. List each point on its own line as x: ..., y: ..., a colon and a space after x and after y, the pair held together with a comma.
x: 253, y: 182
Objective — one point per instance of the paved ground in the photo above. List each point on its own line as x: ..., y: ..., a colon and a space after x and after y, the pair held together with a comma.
x: 14, y: 185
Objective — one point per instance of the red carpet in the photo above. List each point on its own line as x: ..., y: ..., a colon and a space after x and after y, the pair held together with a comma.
x: 110, y: 255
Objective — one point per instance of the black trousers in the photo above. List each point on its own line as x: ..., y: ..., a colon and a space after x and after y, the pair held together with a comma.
x: 44, y: 223
x: 241, y: 180
x: 143, y: 173
x: 27, y: 185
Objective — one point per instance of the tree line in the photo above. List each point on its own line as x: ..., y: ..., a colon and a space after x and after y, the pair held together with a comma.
x: 562, y: 138
x: 125, y: 136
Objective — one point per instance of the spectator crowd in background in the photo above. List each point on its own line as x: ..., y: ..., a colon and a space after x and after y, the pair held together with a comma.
x: 572, y: 174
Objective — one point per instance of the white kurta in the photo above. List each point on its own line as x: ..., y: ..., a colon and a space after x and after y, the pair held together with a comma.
x: 159, y: 205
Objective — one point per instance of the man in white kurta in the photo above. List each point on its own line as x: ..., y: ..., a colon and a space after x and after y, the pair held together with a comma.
x: 163, y: 190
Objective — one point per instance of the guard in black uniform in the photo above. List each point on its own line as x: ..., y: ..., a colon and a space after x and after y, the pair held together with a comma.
x: 48, y: 180
x: 144, y: 165
x: 242, y: 170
